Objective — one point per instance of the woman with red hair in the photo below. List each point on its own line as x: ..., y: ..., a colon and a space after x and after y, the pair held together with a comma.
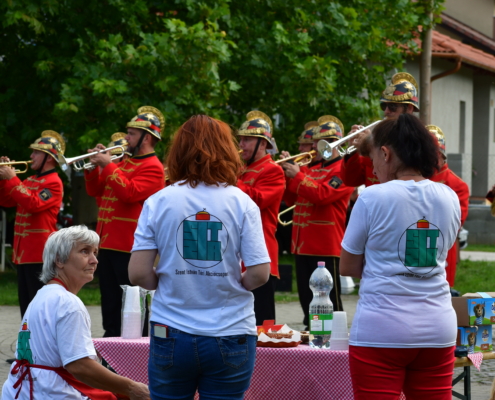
x: 203, y: 332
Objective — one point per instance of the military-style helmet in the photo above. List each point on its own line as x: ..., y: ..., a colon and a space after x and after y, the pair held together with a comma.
x: 118, y: 139
x: 306, y: 137
x: 51, y: 143
x: 402, y: 90
x: 329, y: 127
x: 150, y: 119
x: 259, y: 125
x: 438, y: 133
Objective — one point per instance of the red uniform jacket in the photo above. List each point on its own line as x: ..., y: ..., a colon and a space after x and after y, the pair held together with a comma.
x: 358, y: 170
x: 123, y: 188
x: 264, y: 182
x: 321, y: 200
x: 38, y: 200
x: 447, y: 177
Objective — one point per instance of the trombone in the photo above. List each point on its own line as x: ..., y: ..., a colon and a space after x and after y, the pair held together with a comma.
x: 79, y: 164
x: 300, y: 159
x: 326, y: 149
x: 17, y: 171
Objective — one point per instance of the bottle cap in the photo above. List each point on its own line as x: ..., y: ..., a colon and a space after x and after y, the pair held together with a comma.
x: 321, y: 264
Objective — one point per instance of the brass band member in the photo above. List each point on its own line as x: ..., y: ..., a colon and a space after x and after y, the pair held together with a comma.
x: 321, y: 200
x: 449, y: 178
x: 400, y: 97
x: 264, y: 182
x: 38, y: 199
x: 123, y: 188
x: 306, y: 137
x: 118, y: 139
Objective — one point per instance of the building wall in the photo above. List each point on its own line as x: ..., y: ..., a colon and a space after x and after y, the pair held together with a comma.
x: 447, y: 94
x: 478, y: 14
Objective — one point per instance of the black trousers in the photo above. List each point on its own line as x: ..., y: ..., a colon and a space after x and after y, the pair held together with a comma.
x: 305, y: 265
x: 28, y: 284
x: 264, y: 301
x: 113, y: 272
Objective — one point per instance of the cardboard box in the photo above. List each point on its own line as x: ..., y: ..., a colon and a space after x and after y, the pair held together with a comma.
x: 475, y: 338
x: 475, y: 309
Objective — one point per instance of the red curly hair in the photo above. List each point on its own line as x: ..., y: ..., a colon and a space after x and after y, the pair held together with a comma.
x: 204, y: 150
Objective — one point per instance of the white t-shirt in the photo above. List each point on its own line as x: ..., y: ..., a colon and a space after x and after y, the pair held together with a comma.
x: 55, y: 330
x: 201, y: 235
x: 404, y: 229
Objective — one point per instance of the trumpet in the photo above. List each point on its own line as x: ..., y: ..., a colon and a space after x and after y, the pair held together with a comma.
x: 326, y: 149
x: 79, y: 164
x: 17, y: 171
x: 300, y: 159
x: 285, y: 223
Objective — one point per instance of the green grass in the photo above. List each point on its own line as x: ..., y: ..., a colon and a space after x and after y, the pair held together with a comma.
x: 475, y: 276
x: 471, y: 276
x: 287, y: 297
x: 89, y: 294
x: 480, y: 247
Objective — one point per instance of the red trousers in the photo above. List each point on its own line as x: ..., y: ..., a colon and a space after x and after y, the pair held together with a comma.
x: 451, y: 266
x: 383, y: 373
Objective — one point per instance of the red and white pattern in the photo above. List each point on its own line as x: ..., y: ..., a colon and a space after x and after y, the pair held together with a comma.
x: 128, y: 357
x: 476, y: 359
x: 299, y: 372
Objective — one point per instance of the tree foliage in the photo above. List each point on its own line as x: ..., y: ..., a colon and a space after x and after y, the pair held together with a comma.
x: 83, y: 67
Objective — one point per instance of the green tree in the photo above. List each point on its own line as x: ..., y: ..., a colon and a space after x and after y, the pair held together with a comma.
x: 84, y: 67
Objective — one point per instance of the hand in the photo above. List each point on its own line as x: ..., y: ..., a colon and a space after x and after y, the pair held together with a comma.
x: 6, y: 172
x: 359, y: 137
x: 290, y: 170
x: 139, y: 391
x: 284, y: 154
x: 100, y: 159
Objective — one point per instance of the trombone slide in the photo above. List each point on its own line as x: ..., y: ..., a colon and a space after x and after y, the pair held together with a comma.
x: 285, y: 223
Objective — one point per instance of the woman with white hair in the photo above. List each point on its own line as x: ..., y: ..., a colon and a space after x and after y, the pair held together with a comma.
x: 55, y: 357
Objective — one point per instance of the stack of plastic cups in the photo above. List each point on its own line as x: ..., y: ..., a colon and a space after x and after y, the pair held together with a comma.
x: 340, y: 335
x: 131, y: 314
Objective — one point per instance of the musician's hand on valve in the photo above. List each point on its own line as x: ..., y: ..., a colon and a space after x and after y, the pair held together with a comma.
x: 357, y: 139
x: 6, y: 172
x: 101, y: 159
x: 290, y: 170
x: 284, y: 154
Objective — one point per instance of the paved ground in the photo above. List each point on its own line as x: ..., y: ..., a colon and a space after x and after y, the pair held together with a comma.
x: 288, y: 313
x: 477, y: 255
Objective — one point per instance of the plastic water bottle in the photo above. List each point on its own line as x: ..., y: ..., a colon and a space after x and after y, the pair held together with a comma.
x: 320, y: 308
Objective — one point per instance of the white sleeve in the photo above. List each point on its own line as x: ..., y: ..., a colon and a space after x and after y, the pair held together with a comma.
x: 144, y: 236
x: 74, y: 337
x: 253, y: 246
x: 356, y: 234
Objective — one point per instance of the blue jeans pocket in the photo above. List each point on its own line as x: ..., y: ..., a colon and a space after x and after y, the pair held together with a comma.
x: 162, y: 352
x: 234, y: 350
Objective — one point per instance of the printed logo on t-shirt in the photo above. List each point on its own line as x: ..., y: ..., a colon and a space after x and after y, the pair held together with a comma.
x: 23, y: 349
x: 420, y: 246
x: 202, y: 239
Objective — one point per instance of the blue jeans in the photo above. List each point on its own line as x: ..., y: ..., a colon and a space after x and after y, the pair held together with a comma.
x: 218, y: 367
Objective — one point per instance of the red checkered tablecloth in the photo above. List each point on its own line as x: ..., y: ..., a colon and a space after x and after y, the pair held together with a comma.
x: 128, y: 357
x: 299, y: 372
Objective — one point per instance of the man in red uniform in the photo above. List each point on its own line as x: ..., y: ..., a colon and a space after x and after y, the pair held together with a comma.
x: 264, y: 182
x: 306, y: 137
x: 449, y: 178
x: 123, y: 188
x: 321, y: 200
x: 400, y: 97
x: 38, y: 199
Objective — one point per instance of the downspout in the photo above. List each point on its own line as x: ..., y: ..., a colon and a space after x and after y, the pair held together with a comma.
x: 450, y: 71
